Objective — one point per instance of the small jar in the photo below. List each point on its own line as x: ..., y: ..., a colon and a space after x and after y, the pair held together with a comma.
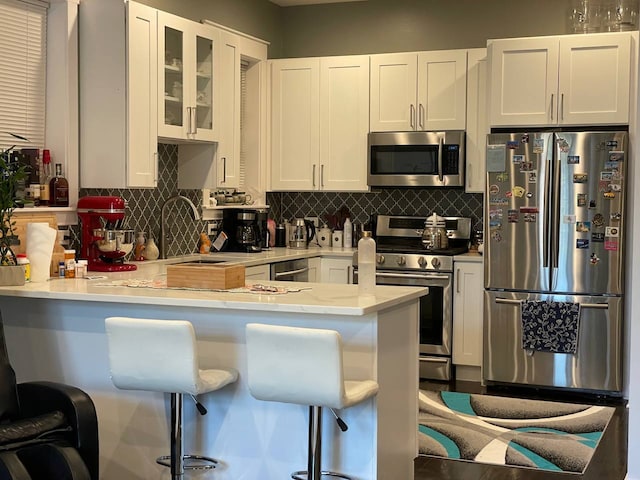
x: 61, y: 269
x: 69, y: 263
x: 24, y: 261
x: 81, y: 268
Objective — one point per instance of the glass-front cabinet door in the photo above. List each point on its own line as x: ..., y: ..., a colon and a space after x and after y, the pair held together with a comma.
x: 186, y: 103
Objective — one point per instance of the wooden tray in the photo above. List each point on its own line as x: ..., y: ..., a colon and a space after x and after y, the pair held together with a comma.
x: 203, y: 275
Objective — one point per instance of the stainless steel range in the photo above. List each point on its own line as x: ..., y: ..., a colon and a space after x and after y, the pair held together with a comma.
x: 402, y: 260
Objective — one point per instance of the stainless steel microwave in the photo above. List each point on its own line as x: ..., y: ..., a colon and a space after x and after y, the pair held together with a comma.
x: 416, y: 159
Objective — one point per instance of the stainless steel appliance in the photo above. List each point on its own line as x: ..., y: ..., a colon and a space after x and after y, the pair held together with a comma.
x: 416, y: 159
x: 401, y: 259
x: 301, y: 233
x: 242, y: 230
x: 291, y: 270
x: 554, y: 231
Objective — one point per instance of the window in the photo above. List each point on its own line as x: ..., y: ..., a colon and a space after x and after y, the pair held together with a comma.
x: 23, y: 25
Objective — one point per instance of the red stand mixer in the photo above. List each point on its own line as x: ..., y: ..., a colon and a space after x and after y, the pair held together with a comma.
x: 104, y: 244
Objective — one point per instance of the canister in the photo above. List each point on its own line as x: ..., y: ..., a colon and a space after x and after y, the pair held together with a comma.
x: 324, y: 236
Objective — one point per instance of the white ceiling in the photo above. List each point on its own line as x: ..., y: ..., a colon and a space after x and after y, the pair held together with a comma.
x: 293, y: 3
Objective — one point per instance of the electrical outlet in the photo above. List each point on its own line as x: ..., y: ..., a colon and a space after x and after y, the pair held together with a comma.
x: 314, y: 220
x: 211, y: 228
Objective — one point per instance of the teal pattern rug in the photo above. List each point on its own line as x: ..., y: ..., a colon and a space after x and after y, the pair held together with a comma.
x: 553, y: 436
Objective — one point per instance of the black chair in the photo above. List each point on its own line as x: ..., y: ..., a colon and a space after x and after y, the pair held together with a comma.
x: 47, y: 430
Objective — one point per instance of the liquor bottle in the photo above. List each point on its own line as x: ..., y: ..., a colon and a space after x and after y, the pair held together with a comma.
x: 45, y: 178
x: 59, y: 189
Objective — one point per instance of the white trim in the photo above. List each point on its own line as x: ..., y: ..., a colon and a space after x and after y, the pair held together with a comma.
x: 235, y: 32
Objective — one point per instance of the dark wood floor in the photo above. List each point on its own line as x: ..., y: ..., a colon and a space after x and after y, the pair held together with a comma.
x: 609, y: 461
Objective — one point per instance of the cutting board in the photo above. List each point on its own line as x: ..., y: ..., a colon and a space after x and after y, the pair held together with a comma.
x: 205, y: 275
x: 22, y: 219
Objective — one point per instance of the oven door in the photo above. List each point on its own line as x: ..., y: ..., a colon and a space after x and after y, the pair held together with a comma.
x: 435, y: 318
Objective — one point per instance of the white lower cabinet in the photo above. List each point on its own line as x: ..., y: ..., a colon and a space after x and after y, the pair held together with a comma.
x: 336, y: 270
x: 314, y: 269
x: 467, y: 314
x: 259, y: 272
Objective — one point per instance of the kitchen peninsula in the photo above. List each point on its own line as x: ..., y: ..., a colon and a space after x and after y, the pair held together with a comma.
x: 55, y: 331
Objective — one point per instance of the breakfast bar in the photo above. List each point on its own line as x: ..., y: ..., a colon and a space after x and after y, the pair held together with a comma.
x: 55, y: 331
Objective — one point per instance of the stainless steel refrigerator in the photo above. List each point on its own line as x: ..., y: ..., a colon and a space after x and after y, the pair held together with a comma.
x: 554, y: 231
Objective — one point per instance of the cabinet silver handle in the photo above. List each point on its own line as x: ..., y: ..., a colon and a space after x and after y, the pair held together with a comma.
x: 562, y: 106
x: 552, y: 106
x: 194, y: 126
x: 155, y: 173
x: 322, y: 175
x: 458, y: 280
x: 313, y: 175
x: 421, y: 116
x: 224, y: 169
x: 412, y: 116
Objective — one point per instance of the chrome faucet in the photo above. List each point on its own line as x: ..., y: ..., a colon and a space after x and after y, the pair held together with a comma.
x: 164, y: 237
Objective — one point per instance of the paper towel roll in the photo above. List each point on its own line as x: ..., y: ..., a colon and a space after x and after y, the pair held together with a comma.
x: 40, y: 241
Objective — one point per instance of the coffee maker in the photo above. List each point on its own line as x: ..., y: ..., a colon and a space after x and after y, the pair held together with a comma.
x: 104, y: 242
x: 242, y: 228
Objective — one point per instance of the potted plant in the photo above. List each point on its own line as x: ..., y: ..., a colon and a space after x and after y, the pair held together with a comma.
x: 11, y: 175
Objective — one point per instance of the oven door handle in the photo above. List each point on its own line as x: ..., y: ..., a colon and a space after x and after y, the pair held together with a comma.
x: 291, y: 272
x: 414, y: 276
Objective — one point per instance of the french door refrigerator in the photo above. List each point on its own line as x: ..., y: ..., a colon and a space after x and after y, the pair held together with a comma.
x: 554, y: 231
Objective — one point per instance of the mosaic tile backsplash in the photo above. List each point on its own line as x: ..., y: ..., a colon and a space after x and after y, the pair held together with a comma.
x: 144, y: 205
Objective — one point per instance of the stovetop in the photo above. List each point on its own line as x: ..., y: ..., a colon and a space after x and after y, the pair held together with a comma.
x: 399, y: 244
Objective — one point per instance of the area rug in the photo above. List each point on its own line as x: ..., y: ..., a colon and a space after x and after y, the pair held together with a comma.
x: 554, y: 436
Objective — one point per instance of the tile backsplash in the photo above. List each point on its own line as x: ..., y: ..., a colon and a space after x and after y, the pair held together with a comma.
x: 144, y: 205
x: 397, y: 201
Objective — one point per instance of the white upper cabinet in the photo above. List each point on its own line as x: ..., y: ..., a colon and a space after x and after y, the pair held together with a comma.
x: 442, y: 90
x: 186, y: 85
x: 319, y: 123
x: 118, y: 83
x: 228, y: 77
x: 568, y: 80
x: 477, y: 120
x: 295, y: 128
x: 418, y: 91
x: 344, y: 123
x: 394, y: 85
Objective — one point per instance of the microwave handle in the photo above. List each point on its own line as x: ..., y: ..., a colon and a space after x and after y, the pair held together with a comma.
x: 440, y: 147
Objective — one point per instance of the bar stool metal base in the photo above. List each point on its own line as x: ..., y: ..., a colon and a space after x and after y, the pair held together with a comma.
x: 191, y: 462
x: 315, y: 450
x: 305, y: 475
x: 176, y: 461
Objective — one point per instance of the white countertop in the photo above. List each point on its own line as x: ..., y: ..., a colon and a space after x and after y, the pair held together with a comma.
x: 335, y: 299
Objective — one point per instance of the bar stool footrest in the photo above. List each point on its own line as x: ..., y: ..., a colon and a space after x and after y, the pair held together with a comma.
x: 192, y: 462
x: 303, y: 475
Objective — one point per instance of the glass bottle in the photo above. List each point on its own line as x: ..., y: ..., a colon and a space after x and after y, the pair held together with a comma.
x: 45, y: 178
x: 59, y: 189
x: 366, y: 264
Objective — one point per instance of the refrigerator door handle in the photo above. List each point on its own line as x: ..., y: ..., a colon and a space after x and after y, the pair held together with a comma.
x: 555, y: 209
x: 509, y: 301
x: 547, y: 216
x: 440, y: 146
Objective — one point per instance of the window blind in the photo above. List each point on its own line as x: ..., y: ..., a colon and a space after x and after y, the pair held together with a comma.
x: 244, y: 66
x: 23, y: 29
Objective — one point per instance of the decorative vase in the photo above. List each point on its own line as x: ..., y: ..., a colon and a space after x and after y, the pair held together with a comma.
x: 150, y: 251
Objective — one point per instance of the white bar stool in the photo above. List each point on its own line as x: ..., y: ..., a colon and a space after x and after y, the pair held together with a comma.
x: 161, y: 356
x: 303, y: 366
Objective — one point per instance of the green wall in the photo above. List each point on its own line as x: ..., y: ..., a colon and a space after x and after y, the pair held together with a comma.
x: 380, y: 26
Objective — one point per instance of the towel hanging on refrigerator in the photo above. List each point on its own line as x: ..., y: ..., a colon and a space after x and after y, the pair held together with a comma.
x: 550, y: 326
